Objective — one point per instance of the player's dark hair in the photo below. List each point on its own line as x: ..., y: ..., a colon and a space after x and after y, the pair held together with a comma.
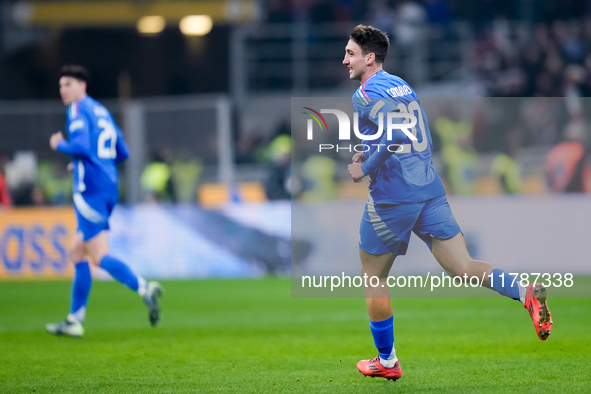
x: 371, y: 40
x: 75, y: 71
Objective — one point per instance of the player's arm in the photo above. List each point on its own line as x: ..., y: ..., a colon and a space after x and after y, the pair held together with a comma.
x: 355, y: 171
x: 358, y: 157
x: 376, y: 108
x: 383, y: 153
x: 79, y: 143
x: 121, y: 146
x: 380, y: 106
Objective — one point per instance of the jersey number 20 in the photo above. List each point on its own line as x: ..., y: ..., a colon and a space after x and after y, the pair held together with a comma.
x: 414, y: 107
x: 107, y: 134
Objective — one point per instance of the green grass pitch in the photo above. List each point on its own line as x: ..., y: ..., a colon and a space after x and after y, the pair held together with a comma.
x: 251, y: 336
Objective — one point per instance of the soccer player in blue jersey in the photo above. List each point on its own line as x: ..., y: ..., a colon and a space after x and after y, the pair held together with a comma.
x: 95, y: 144
x: 406, y: 194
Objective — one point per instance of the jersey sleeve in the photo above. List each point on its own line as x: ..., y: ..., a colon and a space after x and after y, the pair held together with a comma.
x: 120, y: 146
x: 379, y: 105
x: 78, y: 143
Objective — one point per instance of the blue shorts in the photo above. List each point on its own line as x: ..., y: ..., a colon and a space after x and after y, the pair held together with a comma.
x: 92, y: 213
x: 386, y: 228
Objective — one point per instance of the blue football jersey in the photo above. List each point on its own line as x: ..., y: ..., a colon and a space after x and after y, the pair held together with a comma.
x: 96, y: 144
x: 401, y: 170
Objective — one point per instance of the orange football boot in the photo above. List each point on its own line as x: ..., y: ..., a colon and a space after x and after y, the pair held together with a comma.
x: 535, y: 303
x: 375, y: 368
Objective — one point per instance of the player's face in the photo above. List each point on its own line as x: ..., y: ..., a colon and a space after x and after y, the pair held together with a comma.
x: 355, y: 60
x: 71, y: 89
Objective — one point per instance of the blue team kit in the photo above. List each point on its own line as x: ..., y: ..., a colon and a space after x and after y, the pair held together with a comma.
x: 405, y: 192
x: 96, y: 144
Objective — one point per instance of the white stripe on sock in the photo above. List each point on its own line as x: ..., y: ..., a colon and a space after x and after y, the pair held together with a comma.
x: 142, y: 286
x: 522, y: 292
x: 391, y: 361
x: 78, y: 316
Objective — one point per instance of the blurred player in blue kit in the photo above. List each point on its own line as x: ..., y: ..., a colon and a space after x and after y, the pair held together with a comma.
x: 406, y: 195
x: 95, y: 144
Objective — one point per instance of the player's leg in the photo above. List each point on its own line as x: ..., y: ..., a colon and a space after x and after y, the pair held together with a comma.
x: 379, y: 309
x: 97, y: 249
x: 81, y: 285
x: 379, y: 305
x: 82, y: 282
x: 384, y: 234
x: 453, y: 256
x: 438, y: 228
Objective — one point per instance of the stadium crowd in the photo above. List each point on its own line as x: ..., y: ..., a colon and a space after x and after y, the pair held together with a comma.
x: 526, y: 48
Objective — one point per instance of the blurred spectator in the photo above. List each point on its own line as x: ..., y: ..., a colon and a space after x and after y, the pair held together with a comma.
x: 511, y: 80
x: 277, y: 183
x: 318, y: 173
x: 411, y: 19
x: 38, y: 197
x: 185, y: 176
x: 382, y: 16
x: 567, y: 166
x: 532, y: 66
x: 569, y: 41
x: 249, y: 148
x: 539, y: 118
x: 439, y: 13
x: 54, y: 184
x: 548, y: 61
x: 457, y: 152
x: 156, y: 179
x: 21, y: 175
x: 574, y: 80
x: 505, y: 167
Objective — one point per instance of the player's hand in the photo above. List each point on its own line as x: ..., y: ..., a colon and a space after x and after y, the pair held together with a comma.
x: 70, y: 167
x: 355, y: 171
x: 55, y: 139
x: 358, y: 157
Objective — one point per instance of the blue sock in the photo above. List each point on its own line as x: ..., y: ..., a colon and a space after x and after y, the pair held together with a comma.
x: 504, y: 284
x: 120, y: 272
x: 81, y: 285
x: 383, y: 336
